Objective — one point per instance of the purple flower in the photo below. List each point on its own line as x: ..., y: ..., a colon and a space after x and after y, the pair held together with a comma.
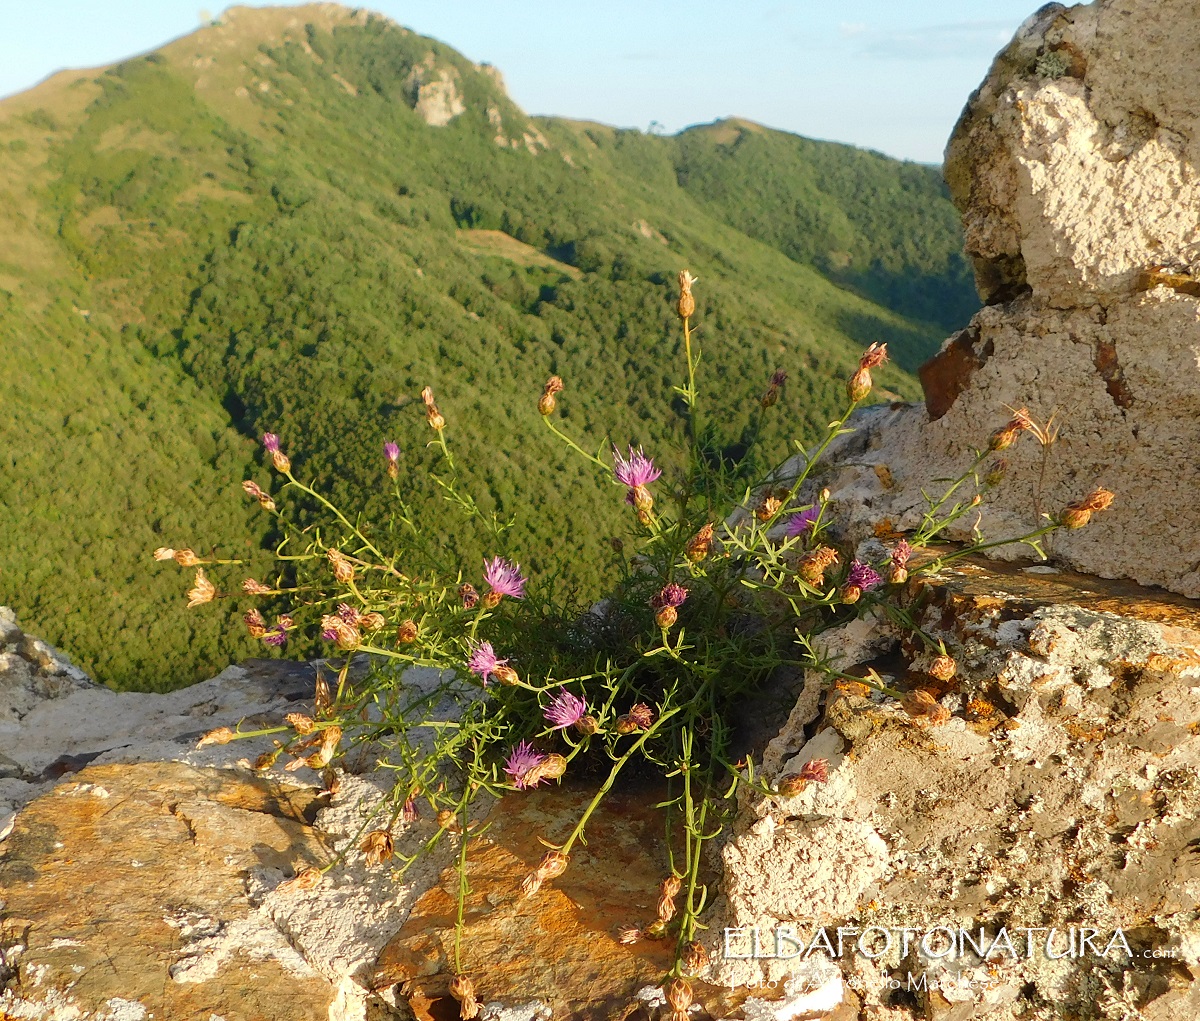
x: 329, y: 635
x: 863, y: 577
x: 271, y: 442
x: 671, y: 595
x: 483, y: 661
x: 636, y: 471
x: 392, y: 452
x: 504, y: 578
x: 348, y: 613
x: 902, y: 553
x: 802, y: 523
x: 277, y: 636
x: 522, y: 766
x: 565, y: 710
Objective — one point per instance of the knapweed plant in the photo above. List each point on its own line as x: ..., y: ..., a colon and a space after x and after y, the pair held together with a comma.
x: 723, y: 579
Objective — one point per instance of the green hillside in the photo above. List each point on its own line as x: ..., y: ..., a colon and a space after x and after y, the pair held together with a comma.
x: 259, y: 228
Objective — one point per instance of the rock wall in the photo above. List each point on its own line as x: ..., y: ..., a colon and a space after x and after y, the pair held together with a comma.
x: 1074, y: 166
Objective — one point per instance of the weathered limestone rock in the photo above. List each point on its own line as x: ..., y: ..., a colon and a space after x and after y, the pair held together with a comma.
x: 1074, y: 166
x: 1063, y: 793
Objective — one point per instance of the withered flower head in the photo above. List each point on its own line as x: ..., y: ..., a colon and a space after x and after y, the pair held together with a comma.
x: 408, y: 631
x: 372, y: 621
x: 687, y: 304
x: 255, y: 624
x: 434, y: 417
x: 1005, y: 437
x: 920, y: 703
x: 629, y: 934
x: 468, y: 595
x: 301, y: 724
x: 305, y: 879
x: 679, y: 994
x: 943, y: 668
x: 695, y: 958
x: 253, y: 587
x: 860, y: 383
x: 448, y: 821
x: 553, y: 865
x: 186, y: 558
x: 767, y: 507
x: 700, y: 544
x: 814, y: 564
x: 377, y: 847
x: 642, y: 715
x: 768, y: 399
x: 164, y: 553
x: 1079, y: 513
x: 463, y: 990
x: 322, y: 699
x: 343, y: 570
x: 202, y: 590
x: 222, y: 735
x: 547, y: 403
x: 816, y: 770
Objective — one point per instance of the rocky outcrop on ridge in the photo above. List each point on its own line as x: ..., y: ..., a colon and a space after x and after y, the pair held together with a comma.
x: 1074, y: 166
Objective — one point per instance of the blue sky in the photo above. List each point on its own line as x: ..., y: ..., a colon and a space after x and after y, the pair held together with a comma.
x: 890, y: 75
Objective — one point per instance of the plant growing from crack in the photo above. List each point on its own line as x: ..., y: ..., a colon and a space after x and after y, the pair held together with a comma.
x: 727, y: 574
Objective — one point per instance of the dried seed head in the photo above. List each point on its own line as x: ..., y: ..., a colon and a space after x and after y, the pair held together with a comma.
x: 920, y: 703
x: 629, y: 934
x: 408, y: 631
x: 377, y: 847
x: 816, y: 770
x: 1079, y: 513
x: 301, y: 724
x: 687, y: 304
x: 695, y: 958
x: 679, y: 994
x: 463, y: 990
x: 642, y: 715
x: 434, y: 417
x: 468, y: 595
x: 202, y: 590
x: 700, y: 544
x: 666, y: 908
x: 372, y: 621
x: 186, y: 558
x: 554, y: 864
x: 253, y: 587
x: 873, y: 357
x: 1074, y: 517
x: 943, y: 668
x: 671, y: 886
x: 222, y: 735
x: 164, y: 553
x: 267, y: 759
x: 547, y: 403
x: 1097, y: 500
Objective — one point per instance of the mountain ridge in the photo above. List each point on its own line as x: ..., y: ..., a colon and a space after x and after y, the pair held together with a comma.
x: 206, y: 236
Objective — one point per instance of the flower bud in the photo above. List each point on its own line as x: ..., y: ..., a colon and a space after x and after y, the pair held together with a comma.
x: 859, y: 385
x: 343, y: 570
x: 281, y: 462
x: 587, y: 725
x: 655, y: 930
x: 642, y: 500
x: 920, y: 703
x: 996, y: 472
x: 551, y: 767
x: 506, y: 675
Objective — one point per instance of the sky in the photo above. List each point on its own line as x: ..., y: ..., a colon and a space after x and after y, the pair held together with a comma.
x: 890, y: 75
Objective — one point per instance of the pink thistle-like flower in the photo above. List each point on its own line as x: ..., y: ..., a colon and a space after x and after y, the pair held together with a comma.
x: 862, y: 577
x: 348, y: 613
x: 484, y: 661
x: 409, y: 812
x: 902, y: 554
x: 802, y: 523
x: 277, y: 636
x: 522, y: 766
x: 392, y: 452
x: 565, y: 710
x: 504, y: 578
x: 816, y: 770
x: 271, y: 442
x: 671, y: 595
x: 637, y: 471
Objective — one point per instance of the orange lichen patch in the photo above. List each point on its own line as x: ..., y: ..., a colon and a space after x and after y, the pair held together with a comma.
x: 884, y: 474
x: 1086, y: 732
x: 884, y: 529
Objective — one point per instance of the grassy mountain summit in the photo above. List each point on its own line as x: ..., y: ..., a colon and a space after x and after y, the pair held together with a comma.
x: 293, y: 220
